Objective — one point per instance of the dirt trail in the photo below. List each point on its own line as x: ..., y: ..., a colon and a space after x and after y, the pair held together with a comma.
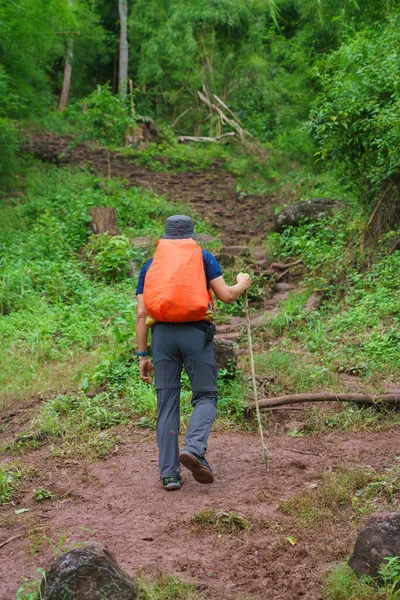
x: 120, y: 500
x: 213, y: 193
x: 122, y: 504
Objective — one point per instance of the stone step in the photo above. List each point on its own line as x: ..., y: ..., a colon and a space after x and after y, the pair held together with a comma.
x: 232, y: 336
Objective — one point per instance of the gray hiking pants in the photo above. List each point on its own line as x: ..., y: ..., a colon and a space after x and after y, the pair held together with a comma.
x: 174, y: 345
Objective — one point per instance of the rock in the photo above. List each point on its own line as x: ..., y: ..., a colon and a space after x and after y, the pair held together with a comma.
x: 283, y: 287
x: 235, y: 250
x: 230, y: 335
x: 315, y: 209
x: 379, y: 538
x: 225, y: 353
x: 89, y: 572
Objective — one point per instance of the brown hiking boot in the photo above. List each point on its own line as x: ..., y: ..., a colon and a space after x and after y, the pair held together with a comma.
x: 201, y: 470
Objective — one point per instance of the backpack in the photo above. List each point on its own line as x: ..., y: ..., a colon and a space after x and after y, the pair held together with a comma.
x: 175, y: 289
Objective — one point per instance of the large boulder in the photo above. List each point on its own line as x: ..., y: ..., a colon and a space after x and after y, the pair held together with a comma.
x: 379, y: 539
x: 225, y: 353
x: 312, y: 210
x: 89, y: 572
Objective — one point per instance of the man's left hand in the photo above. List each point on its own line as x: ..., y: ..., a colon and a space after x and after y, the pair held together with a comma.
x: 146, y: 369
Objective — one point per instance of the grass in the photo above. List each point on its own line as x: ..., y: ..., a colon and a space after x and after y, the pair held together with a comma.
x: 289, y: 372
x: 343, y: 584
x: 345, y: 493
x: 164, y: 586
x: 350, y: 417
x: 82, y: 425
x: 220, y: 522
x: 11, y: 475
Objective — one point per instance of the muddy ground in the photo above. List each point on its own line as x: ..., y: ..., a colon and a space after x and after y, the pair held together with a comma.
x: 119, y: 501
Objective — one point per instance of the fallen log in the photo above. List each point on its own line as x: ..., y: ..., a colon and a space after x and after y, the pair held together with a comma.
x: 192, y: 138
x: 373, y: 399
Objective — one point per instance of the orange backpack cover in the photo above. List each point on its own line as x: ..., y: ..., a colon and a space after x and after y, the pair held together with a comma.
x: 175, y: 289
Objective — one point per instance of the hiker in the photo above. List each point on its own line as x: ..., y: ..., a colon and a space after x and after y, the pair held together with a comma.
x: 175, y: 301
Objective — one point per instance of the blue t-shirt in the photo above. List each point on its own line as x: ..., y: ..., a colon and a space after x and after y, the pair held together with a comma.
x: 212, y: 270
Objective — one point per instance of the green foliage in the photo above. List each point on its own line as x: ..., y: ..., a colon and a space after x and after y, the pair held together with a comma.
x: 35, y: 66
x: 9, y: 139
x: 219, y: 46
x: 355, y: 118
x: 30, y: 589
x: 290, y: 312
x: 109, y: 256
x: 390, y: 573
x: 10, y: 477
x: 52, y: 308
x: 42, y: 494
x: 106, y: 118
x: 325, y: 246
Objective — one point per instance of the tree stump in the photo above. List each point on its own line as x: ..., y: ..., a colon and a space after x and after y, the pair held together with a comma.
x: 104, y: 220
x: 88, y: 572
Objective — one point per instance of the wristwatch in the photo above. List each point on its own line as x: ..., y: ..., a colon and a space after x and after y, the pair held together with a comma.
x: 141, y: 353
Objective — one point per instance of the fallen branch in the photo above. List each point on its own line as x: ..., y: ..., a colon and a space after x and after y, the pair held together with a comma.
x: 11, y: 539
x: 192, y: 138
x: 228, y: 109
x: 374, y: 399
x: 223, y: 118
x: 301, y: 451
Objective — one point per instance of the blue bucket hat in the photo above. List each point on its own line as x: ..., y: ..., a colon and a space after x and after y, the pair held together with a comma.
x: 179, y: 227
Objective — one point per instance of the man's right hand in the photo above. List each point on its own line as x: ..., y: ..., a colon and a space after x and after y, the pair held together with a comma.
x: 244, y: 279
x: 146, y: 369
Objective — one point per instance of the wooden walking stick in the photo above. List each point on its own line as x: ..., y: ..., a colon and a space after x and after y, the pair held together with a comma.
x: 253, y: 377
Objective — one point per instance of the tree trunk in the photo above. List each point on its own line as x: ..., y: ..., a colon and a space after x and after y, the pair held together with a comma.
x: 67, y: 73
x: 123, y: 48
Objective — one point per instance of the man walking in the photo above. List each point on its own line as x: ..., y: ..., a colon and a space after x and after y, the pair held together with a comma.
x: 174, y: 300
